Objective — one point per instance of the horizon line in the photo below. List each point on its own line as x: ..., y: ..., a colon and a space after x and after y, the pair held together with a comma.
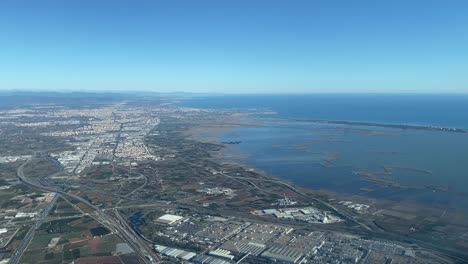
x: 5, y: 91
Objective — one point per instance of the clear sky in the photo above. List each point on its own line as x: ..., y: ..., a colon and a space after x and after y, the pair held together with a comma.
x: 235, y: 46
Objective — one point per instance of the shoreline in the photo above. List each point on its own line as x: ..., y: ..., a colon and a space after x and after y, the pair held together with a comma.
x: 381, y: 207
x: 376, y: 124
x: 272, y: 114
x: 232, y: 154
x: 228, y: 154
x: 385, y: 217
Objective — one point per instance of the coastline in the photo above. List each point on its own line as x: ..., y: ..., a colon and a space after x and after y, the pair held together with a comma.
x: 385, y: 216
x: 230, y: 153
x: 377, y: 124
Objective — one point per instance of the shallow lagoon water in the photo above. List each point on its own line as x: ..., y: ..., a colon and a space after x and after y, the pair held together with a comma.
x: 297, y: 151
x: 331, y: 156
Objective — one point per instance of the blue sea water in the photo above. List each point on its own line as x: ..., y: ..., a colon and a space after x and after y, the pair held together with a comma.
x: 333, y: 157
x: 436, y: 110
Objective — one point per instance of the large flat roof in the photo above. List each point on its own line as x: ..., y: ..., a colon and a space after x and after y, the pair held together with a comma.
x: 168, y: 218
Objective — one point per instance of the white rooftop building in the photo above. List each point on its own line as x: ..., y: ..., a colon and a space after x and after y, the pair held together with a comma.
x: 169, y: 219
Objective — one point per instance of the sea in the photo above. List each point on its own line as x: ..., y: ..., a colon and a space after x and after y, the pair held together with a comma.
x: 420, y: 166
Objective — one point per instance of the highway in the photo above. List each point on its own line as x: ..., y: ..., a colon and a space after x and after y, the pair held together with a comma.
x: 325, y: 204
x: 292, y: 188
x: 385, y: 235
x: 119, y: 227
x: 388, y: 237
x: 28, y: 237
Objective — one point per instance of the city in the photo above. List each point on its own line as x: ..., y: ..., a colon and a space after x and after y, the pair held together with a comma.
x: 233, y: 132
x: 132, y: 181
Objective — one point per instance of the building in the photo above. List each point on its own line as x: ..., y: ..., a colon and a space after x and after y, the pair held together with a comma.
x: 222, y: 253
x: 169, y: 219
x: 282, y: 255
x: 174, y: 252
x: 53, y: 242
x: 202, y: 259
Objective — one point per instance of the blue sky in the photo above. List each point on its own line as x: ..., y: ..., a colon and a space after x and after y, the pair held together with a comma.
x: 241, y: 46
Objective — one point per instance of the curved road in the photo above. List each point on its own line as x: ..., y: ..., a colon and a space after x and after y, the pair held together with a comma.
x: 138, y: 246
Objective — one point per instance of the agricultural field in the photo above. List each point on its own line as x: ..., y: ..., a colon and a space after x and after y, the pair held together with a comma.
x: 82, y: 240
x: 64, y: 208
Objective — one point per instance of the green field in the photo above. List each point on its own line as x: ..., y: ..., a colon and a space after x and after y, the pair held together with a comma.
x: 75, y: 241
